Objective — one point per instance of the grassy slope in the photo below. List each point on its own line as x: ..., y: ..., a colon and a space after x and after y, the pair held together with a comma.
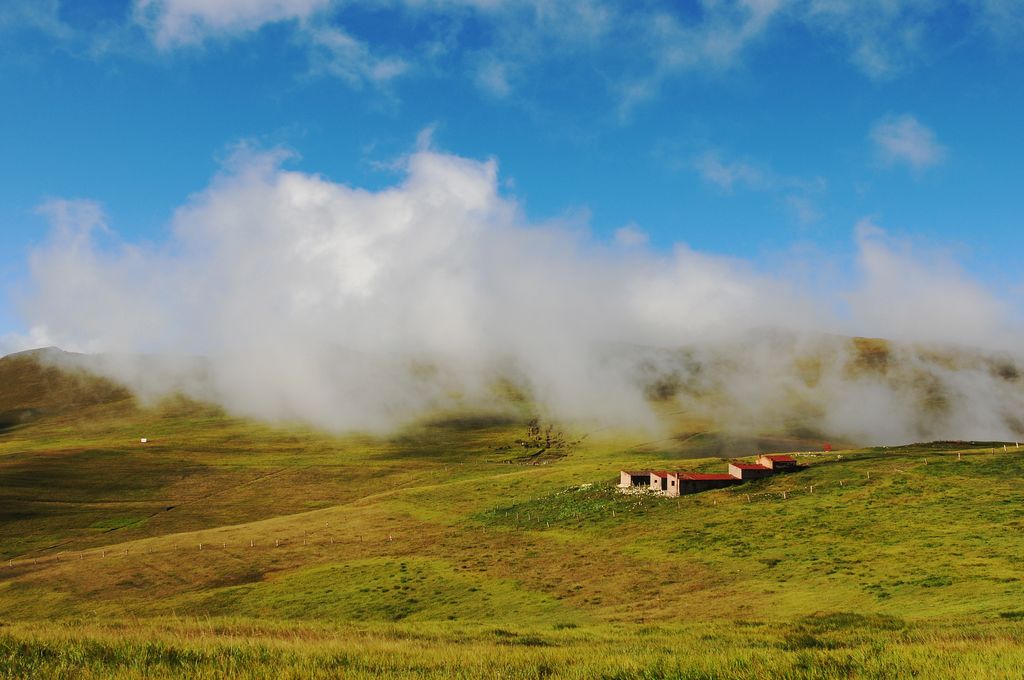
x: 425, y: 553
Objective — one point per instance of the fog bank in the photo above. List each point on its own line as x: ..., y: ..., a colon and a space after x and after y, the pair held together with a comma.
x: 355, y: 309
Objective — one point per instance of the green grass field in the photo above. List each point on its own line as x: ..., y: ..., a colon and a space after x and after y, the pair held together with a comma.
x: 227, y: 548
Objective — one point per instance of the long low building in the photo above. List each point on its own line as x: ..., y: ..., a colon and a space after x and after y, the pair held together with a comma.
x: 778, y: 462
x: 694, y: 482
x: 669, y: 483
x: 748, y: 471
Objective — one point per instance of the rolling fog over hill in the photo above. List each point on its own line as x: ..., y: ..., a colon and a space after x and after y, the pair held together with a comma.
x: 362, y: 310
x: 856, y: 390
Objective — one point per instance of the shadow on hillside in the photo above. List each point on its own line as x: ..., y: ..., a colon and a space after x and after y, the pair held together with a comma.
x: 724, y: 445
x: 12, y: 420
x: 462, y: 423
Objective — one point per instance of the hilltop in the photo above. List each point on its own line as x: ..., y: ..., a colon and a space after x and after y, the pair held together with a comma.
x: 226, y: 547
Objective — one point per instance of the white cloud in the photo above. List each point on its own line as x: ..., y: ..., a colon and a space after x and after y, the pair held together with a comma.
x: 186, y: 22
x: 74, y: 221
x: 631, y: 236
x: 904, y: 140
x: 333, y: 51
x: 624, y: 51
x: 884, y: 37
x: 671, y: 46
x: 803, y: 209
x: 336, y: 53
x: 908, y: 294
x: 19, y: 342
x: 492, y: 77
x: 728, y: 175
x: 795, y: 192
x: 328, y: 303
x: 278, y: 272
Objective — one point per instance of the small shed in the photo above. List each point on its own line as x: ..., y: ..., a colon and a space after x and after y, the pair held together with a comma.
x: 777, y: 461
x: 660, y: 480
x: 673, y: 487
x: 748, y: 471
x: 629, y: 478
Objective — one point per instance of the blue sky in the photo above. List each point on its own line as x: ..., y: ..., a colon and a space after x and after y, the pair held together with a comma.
x: 747, y: 129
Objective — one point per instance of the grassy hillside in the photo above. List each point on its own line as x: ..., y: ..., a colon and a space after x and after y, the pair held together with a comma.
x: 230, y: 548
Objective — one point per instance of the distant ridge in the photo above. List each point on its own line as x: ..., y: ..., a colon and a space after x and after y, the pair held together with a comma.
x: 42, y: 382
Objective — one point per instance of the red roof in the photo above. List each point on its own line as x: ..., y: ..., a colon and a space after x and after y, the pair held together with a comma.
x: 749, y: 466
x: 780, y: 458
x: 702, y: 476
x: 661, y: 473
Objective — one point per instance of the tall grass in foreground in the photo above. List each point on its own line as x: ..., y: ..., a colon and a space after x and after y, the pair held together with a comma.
x: 834, y: 647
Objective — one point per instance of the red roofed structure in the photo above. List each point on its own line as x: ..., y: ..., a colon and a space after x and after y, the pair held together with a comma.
x: 706, y: 476
x: 660, y: 481
x: 637, y: 478
x: 776, y: 461
x: 668, y: 483
x: 748, y: 471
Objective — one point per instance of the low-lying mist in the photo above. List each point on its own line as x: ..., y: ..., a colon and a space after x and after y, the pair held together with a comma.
x: 362, y: 310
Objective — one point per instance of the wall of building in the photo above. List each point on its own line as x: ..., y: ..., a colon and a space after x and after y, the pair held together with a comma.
x: 698, y: 485
x: 748, y: 473
x: 629, y: 479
